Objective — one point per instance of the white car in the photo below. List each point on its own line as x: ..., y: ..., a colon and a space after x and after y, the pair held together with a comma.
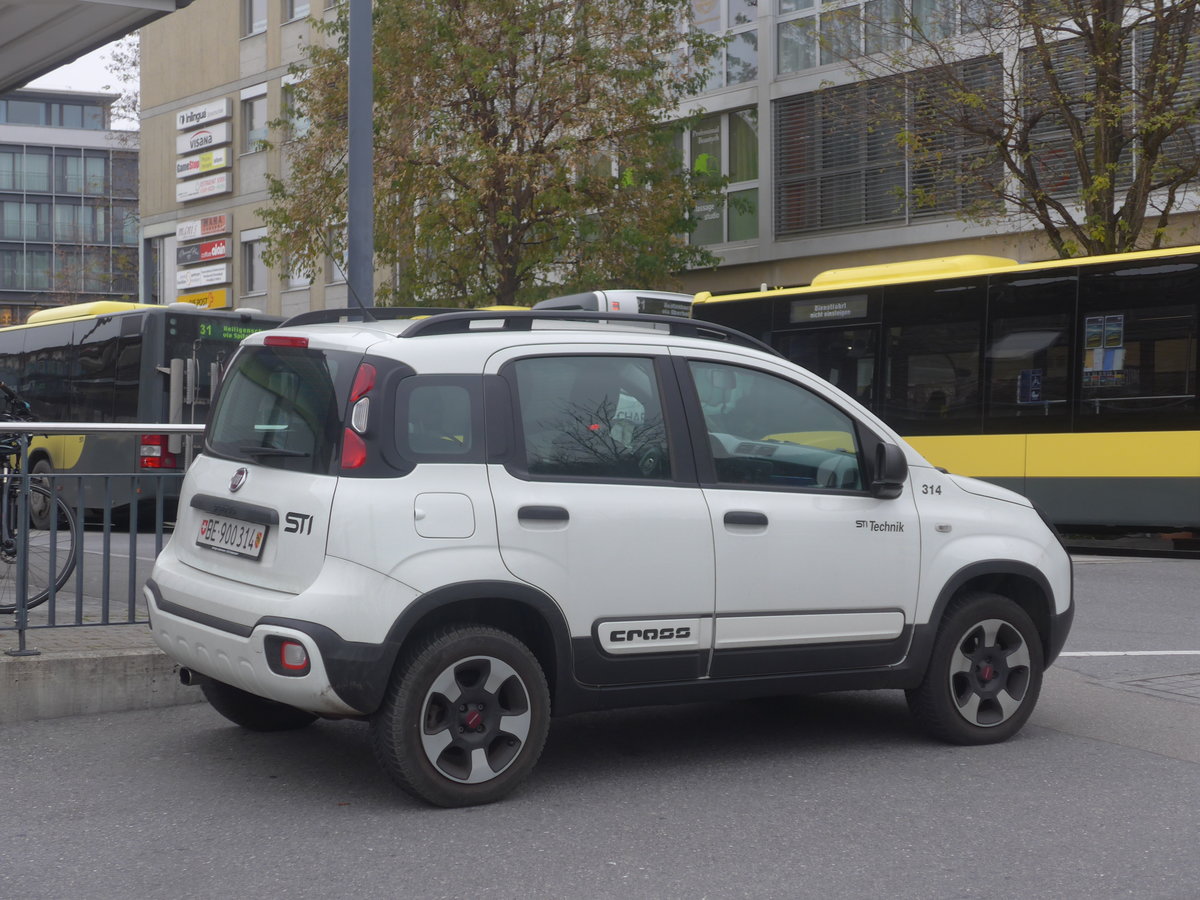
x: 454, y: 526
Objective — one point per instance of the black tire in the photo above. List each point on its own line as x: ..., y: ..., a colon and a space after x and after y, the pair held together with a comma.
x: 465, y: 717
x: 984, y: 675
x: 251, y: 711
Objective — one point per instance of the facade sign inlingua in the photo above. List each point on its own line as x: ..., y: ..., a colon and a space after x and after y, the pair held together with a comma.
x: 203, y: 115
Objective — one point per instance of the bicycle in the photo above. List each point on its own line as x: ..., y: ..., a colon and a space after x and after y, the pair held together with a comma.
x: 50, y: 549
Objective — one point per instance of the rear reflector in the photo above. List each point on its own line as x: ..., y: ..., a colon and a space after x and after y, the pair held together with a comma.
x: 293, y: 656
x: 285, y: 340
x: 354, y: 450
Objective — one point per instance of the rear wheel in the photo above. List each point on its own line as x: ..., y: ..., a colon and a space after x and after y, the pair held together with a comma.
x: 251, y: 711
x: 465, y: 718
x: 984, y: 675
x: 39, y: 503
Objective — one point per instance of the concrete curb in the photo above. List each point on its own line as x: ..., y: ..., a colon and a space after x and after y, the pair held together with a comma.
x: 86, y: 682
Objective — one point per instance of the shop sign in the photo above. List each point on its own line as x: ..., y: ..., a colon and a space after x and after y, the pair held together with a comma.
x: 199, y: 188
x: 213, y: 136
x: 205, y: 162
x: 208, y: 226
x: 204, y: 115
x: 202, y: 277
x: 218, y: 299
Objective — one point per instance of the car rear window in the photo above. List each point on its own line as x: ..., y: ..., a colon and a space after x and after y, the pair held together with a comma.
x: 281, y: 407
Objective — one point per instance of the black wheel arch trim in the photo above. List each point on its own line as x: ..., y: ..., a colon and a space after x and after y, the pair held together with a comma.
x: 360, y: 672
x: 1058, y: 625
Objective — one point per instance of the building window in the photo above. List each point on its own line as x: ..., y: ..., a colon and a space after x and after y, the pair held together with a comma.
x: 737, y: 62
x: 254, y: 122
x: 254, y: 17
x: 336, y: 258
x: 294, y: 9
x: 297, y: 123
x: 37, y: 172
x: 834, y: 165
x: 727, y: 145
x: 254, y: 269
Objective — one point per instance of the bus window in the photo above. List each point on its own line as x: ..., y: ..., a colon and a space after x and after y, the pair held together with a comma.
x: 932, y: 377
x: 1028, y: 354
x: 1139, y: 353
x: 842, y: 356
x: 94, y: 368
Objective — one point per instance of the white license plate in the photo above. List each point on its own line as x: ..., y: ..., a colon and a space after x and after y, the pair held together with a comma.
x: 234, y: 536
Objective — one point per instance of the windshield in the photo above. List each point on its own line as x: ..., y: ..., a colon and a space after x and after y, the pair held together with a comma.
x: 207, y: 344
x: 279, y: 407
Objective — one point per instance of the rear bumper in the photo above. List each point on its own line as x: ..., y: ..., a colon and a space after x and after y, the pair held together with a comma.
x: 236, y: 655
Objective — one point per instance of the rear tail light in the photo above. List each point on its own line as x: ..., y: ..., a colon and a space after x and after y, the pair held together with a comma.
x: 354, y: 448
x: 153, y: 453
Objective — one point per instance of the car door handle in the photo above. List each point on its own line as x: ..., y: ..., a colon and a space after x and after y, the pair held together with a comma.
x: 543, y: 514
x: 745, y: 517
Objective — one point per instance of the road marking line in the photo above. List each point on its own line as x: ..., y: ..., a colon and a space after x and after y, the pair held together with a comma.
x: 1132, y: 653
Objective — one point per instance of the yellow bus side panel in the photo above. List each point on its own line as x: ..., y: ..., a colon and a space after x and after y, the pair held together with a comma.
x: 980, y: 456
x: 1141, y: 454
x: 64, y: 449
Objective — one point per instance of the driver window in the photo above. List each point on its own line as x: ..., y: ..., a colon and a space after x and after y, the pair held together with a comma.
x: 592, y: 416
x: 765, y: 430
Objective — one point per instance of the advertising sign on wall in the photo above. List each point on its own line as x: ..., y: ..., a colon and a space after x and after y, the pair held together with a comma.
x: 208, y: 226
x: 200, y: 188
x: 203, y: 115
x: 205, y: 162
x: 217, y: 299
x: 213, y: 136
x: 202, y: 277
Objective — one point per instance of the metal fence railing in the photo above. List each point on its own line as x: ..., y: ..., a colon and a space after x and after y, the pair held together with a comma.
x: 73, y: 552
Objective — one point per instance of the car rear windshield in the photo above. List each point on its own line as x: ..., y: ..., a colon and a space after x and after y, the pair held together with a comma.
x: 282, y: 407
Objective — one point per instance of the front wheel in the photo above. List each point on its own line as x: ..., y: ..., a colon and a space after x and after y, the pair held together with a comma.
x: 984, y: 675
x: 465, y: 718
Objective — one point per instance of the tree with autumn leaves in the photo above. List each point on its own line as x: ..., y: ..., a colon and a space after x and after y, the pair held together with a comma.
x: 521, y: 148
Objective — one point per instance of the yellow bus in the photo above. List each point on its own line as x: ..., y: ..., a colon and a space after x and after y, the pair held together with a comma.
x: 110, y: 361
x: 1073, y: 382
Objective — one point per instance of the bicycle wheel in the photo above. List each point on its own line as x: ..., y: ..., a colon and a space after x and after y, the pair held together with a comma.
x: 50, y: 558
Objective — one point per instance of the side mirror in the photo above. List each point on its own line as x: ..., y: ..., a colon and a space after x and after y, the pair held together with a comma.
x: 891, y: 471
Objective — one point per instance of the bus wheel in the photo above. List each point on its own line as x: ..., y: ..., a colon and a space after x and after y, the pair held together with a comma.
x: 39, y: 504
x: 984, y: 675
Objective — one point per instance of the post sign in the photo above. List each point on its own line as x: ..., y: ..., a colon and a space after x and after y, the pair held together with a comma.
x: 204, y: 138
x: 199, y: 188
x: 208, y: 226
x: 217, y: 299
x: 202, y: 277
x: 204, y: 115
x: 205, y: 162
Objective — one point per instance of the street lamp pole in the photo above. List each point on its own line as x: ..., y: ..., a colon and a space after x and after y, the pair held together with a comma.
x: 360, y: 235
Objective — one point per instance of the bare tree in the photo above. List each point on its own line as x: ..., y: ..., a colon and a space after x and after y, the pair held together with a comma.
x: 1081, y: 115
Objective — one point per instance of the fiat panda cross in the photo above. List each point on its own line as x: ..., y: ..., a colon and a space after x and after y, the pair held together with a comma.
x: 453, y: 527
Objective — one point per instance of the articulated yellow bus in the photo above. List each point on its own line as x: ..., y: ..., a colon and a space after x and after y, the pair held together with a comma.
x: 1070, y: 381
x: 110, y: 361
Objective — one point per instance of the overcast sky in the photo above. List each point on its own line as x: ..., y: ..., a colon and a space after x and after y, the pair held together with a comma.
x: 85, y: 74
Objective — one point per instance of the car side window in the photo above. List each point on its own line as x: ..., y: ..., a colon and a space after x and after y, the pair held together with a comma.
x: 766, y: 430
x: 592, y: 416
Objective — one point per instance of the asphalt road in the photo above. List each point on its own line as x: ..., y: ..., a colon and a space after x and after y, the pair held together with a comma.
x: 837, y: 796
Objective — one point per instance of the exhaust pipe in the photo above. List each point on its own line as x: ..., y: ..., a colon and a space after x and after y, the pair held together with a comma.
x: 189, y: 678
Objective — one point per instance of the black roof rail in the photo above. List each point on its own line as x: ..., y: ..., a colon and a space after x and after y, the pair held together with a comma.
x: 364, y: 314
x: 460, y: 321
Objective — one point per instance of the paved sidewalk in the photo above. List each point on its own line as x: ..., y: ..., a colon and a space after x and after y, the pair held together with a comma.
x: 86, y: 669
